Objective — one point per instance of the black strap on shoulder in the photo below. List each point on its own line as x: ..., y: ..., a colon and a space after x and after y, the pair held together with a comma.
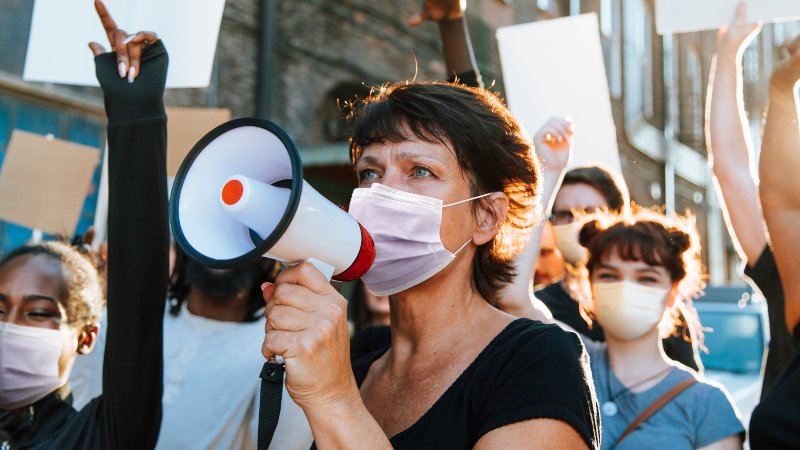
x: 270, y: 407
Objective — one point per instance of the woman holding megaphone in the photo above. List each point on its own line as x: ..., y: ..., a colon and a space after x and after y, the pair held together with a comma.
x: 50, y: 295
x: 448, y: 190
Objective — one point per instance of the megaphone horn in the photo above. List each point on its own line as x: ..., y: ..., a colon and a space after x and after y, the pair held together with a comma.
x: 240, y: 194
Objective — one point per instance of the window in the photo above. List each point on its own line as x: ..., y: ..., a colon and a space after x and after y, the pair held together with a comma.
x: 691, y: 100
x: 611, y: 35
x: 639, y: 60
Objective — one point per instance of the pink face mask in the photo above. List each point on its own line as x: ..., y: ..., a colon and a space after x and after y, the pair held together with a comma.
x: 405, y: 228
x: 28, y: 364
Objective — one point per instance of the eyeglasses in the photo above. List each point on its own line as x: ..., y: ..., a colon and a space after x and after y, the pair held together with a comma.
x: 565, y: 216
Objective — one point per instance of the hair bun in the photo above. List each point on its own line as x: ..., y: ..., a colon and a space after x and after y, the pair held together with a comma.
x: 588, y: 232
x: 678, y: 241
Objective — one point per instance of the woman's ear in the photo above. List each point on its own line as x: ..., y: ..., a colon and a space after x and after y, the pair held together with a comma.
x: 87, y: 338
x: 490, y: 217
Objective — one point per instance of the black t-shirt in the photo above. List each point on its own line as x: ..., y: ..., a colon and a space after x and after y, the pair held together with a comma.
x: 775, y: 422
x: 528, y: 371
x: 565, y: 309
x: 765, y: 276
x: 370, y: 339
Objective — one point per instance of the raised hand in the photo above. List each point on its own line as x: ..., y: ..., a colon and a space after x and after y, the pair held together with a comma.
x: 553, y: 143
x: 786, y: 74
x: 438, y: 11
x: 127, y: 46
x: 733, y: 38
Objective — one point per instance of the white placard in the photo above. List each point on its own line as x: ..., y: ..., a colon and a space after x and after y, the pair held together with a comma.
x: 555, y: 68
x: 61, y: 30
x: 682, y: 16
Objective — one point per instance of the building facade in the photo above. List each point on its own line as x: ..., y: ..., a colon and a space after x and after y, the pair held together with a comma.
x: 296, y: 62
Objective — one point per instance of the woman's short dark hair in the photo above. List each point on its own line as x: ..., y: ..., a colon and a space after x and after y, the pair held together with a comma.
x: 671, y: 242
x: 604, y: 181
x: 488, y: 143
x: 84, y: 300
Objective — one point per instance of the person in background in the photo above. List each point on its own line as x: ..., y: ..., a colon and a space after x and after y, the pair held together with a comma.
x: 583, y: 190
x: 641, y: 267
x: 730, y: 157
x: 50, y: 295
x: 550, y: 264
x: 213, y: 316
x: 370, y: 315
x: 776, y: 420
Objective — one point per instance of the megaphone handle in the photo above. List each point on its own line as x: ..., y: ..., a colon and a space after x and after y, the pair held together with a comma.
x: 323, y: 267
x: 272, y: 382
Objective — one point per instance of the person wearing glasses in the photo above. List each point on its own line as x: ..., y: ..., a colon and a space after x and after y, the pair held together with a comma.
x: 584, y: 190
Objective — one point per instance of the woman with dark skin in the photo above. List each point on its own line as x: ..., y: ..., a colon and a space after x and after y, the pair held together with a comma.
x: 50, y: 296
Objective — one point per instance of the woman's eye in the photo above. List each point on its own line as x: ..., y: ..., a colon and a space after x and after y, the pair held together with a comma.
x: 422, y: 172
x: 607, y: 276
x: 367, y: 174
x: 40, y: 314
x: 647, y: 280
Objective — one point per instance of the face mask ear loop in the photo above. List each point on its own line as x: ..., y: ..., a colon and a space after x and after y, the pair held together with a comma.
x: 467, y: 200
x: 462, y: 247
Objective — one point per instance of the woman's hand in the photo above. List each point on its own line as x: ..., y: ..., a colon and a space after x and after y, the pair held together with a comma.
x: 786, y: 74
x: 439, y: 11
x: 307, y: 326
x: 553, y: 143
x: 128, y: 47
x: 732, y: 39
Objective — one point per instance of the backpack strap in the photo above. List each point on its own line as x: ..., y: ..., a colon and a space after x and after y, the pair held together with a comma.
x: 656, y: 406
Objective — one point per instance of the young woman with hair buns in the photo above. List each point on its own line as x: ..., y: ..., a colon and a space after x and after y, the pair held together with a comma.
x: 641, y: 265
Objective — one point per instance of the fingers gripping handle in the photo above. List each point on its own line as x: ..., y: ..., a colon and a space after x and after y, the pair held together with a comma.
x: 272, y: 383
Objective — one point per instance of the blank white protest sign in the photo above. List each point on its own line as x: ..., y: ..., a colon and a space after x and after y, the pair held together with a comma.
x: 61, y: 30
x: 555, y: 68
x: 682, y: 16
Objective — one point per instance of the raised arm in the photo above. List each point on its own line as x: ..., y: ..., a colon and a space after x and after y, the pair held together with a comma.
x: 780, y: 184
x: 456, y: 45
x: 553, y: 143
x: 730, y: 145
x: 138, y: 235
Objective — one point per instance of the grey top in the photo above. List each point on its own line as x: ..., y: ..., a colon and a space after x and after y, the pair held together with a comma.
x: 699, y: 416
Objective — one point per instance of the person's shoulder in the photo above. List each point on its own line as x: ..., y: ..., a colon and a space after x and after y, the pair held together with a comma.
x: 551, y: 292
x: 711, y: 394
x: 531, y: 339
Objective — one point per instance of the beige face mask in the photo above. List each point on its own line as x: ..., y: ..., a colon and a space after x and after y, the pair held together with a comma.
x: 628, y: 310
x: 567, y: 242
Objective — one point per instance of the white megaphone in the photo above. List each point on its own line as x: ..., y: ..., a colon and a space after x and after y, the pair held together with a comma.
x: 240, y: 194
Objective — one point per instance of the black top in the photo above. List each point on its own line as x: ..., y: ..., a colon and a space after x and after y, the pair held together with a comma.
x: 371, y: 338
x: 528, y: 371
x: 128, y: 414
x: 765, y: 276
x: 565, y: 309
x: 775, y: 422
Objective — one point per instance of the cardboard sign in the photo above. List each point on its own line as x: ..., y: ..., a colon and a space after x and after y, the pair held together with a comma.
x: 61, y: 30
x: 185, y: 127
x: 44, y: 182
x: 682, y: 16
x: 555, y: 68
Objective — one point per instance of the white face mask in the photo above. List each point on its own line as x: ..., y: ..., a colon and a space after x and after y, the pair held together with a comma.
x: 628, y: 310
x: 406, y: 230
x: 568, y: 243
x: 28, y: 364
